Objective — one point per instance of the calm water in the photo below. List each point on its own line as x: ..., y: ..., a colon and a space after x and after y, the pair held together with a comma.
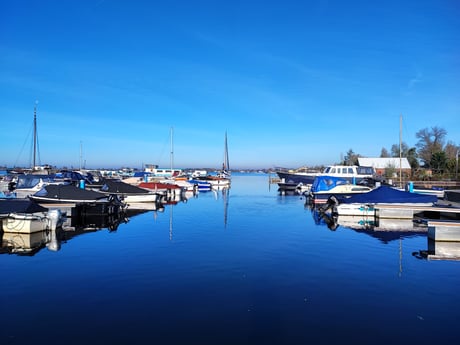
x: 248, y: 267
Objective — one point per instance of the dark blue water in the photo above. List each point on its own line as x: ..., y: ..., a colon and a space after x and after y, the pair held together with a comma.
x: 244, y: 267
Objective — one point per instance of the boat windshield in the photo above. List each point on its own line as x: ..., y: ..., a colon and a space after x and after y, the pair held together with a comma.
x: 30, y: 181
x: 365, y: 170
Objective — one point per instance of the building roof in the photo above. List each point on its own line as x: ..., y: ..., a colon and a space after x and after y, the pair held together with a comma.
x: 382, y: 163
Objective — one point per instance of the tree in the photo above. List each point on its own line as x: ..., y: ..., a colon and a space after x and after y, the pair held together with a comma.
x: 395, y: 150
x: 412, y: 158
x: 438, y: 162
x: 384, y: 153
x: 430, y: 142
x: 451, y: 151
x: 351, y: 158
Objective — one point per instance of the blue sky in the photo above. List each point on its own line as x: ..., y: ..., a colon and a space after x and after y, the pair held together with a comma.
x: 292, y: 82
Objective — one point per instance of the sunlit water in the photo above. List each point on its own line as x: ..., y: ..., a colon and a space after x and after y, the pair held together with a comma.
x: 246, y: 267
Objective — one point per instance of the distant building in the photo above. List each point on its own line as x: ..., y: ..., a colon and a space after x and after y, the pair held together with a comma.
x: 383, y: 165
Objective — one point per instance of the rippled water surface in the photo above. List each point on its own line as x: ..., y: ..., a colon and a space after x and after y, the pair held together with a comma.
x: 244, y: 267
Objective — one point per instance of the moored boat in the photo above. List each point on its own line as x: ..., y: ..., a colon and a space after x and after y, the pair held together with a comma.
x: 25, y: 216
x: 71, y: 196
x: 367, y: 203
x: 324, y: 187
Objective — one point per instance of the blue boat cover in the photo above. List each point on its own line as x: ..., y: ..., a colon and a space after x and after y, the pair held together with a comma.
x: 387, y: 194
x: 325, y: 183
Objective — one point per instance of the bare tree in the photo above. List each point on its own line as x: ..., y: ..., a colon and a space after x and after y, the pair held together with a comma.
x: 395, y: 150
x: 429, y: 142
x: 384, y: 153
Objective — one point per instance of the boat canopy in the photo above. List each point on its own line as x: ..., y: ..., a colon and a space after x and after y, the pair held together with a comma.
x: 387, y: 194
x: 325, y: 183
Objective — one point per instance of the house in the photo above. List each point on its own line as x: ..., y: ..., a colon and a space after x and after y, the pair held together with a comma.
x: 387, y: 165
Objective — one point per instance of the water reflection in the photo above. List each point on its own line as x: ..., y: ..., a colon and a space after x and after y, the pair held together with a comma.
x: 383, y: 229
x: 31, y: 243
x: 439, y: 250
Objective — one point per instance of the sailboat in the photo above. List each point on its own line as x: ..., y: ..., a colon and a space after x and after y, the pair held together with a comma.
x: 223, y: 178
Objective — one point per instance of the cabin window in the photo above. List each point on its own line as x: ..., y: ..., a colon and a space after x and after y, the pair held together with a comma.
x: 333, y: 171
x: 350, y: 170
x: 344, y: 170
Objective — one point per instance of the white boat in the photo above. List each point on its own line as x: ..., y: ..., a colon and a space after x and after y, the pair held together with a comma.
x: 366, y: 204
x: 162, y: 172
x: 326, y: 186
x: 128, y: 193
x: 28, y: 184
x: 24, y: 216
x: 223, y: 177
x: 353, y: 173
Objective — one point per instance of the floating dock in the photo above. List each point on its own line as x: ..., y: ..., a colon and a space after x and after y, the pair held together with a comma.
x: 447, y: 231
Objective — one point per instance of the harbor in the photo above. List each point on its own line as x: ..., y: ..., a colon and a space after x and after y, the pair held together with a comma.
x: 222, y: 266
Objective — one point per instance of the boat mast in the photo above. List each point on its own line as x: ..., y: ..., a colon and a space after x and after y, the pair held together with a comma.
x: 35, y: 136
x: 172, y: 152
x: 226, y: 162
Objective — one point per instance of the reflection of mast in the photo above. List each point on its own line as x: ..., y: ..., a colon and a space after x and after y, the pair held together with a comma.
x: 400, y: 257
x: 400, y: 151
x: 225, y: 195
x: 171, y: 222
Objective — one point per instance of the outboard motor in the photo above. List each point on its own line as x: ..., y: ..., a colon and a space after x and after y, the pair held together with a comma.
x: 54, y: 218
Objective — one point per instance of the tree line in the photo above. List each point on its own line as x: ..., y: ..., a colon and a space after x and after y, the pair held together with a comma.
x: 432, y: 153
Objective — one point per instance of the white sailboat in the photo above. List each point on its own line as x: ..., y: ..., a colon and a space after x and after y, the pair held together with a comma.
x: 223, y: 178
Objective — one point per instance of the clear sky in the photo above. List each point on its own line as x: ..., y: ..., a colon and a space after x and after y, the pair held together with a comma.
x: 291, y: 82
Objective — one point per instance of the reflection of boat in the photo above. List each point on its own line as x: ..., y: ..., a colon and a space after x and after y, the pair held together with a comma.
x: 29, y: 244
x: 324, y: 187
x: 385, y: 230
x: 440, y: 250
x: 82, y: 221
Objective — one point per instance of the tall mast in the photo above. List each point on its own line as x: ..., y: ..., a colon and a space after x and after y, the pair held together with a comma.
x: 35, y: 136
x: 172, y: 151
x: 226, y: 162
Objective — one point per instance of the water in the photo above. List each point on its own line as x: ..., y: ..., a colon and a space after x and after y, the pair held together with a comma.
x: 247, y: 267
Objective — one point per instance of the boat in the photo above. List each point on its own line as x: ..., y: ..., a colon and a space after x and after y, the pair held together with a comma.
x: 380, y: 197
x: 155, y: 171
x: 70, y: 196
x: 304, y: 176
x: 25, y: 216
x: 127, y: 192
x: 28, y: 184
x: 223, y: 178
x: 438, y: 191
x: 201, y: 185
x: 292, y: 177
x: 324, y: 187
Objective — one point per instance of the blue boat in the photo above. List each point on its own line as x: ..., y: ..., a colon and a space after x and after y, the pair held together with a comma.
x: 324, y: 187
x: 201, y: 185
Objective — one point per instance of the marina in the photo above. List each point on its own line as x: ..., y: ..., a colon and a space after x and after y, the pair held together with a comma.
x: 242, y: 265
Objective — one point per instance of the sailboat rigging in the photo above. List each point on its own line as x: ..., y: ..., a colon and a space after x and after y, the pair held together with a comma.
x: 225, y: 172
